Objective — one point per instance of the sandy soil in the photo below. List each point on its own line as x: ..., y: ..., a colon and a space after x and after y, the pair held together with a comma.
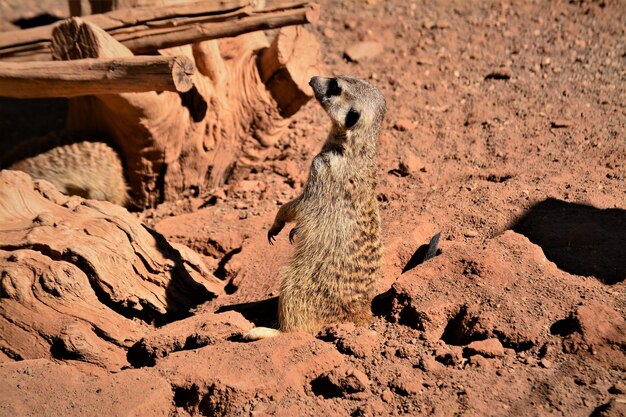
x: 506, y: 133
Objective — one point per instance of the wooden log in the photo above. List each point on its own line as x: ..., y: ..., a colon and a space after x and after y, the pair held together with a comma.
x: 287, y: 66
x: 185, y: 144
x: 147, y: 29
x: 95, y: 76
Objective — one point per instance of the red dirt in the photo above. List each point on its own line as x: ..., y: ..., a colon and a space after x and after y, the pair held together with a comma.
x: 506, y: 133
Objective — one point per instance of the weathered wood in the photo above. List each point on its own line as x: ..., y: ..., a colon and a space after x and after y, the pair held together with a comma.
x: 95, y: 76
x: 183, y: 144
x: 286, y: 69
x: 83, y: 270
x: 118, y: 19
x: 147, y: 29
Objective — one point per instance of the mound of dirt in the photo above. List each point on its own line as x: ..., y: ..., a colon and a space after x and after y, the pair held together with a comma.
x: 43, y: 388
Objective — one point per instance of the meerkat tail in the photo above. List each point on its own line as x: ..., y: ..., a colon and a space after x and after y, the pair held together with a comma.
x: 259, y: 333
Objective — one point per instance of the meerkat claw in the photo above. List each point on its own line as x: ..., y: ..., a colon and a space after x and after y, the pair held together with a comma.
x: 292, y: 234
x: 270, y: 238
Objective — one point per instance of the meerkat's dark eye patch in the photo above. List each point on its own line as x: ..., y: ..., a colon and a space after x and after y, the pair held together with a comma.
x: 333, y: 88
x: 352, y: 117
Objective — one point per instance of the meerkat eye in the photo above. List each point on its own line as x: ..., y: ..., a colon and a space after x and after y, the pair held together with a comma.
x: 333, y: 88
x: 352, y: 117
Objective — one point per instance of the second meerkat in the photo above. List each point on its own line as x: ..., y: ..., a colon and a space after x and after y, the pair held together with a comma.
x: 338, y: 250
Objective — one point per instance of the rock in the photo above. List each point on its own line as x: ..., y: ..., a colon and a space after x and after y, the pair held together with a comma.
x: 287, y: 169
x: 618, y: 388
x: 428, y: 363
x: 410, y: 163
x: 350, y: 24
x: 404, y: 125
x: 545, y: 363
x: 600, y: 324
x: 203, y: 231
x: 470, y: 233
x: 220, y: 381
x: 358, y: 342
x: 44, y: 388
x: 387, y: 396
x: 592, y: 327
x: 194, y: 332
x: 449, y: 355
x: 500, y: 74
x: 428, y: 24
x: 363, y: 50
x: 561, y: 123
x: 489, y: 348
x: 341, y: 382
x: 479, y: 361
x: 247, y: 187
x: 83, y: 279
x: 406, y: 385
x: 616, y: 407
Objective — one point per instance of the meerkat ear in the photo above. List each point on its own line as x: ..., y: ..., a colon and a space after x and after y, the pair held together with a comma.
x: 352, y: 117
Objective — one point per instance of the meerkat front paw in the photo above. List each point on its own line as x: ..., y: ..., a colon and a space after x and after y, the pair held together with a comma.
x: 274, y: 231
x: 292, y: 234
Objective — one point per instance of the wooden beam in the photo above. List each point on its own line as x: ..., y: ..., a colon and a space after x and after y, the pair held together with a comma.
x: 150, y: 28
x: 95, y: 76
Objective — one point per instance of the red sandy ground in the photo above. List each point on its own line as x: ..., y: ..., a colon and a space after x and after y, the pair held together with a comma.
x: 506, y: 133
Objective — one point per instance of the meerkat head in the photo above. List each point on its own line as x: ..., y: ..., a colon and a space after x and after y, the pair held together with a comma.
x: 353, y: 105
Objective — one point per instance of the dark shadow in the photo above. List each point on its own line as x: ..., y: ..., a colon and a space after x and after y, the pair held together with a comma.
x: 323, y: 386
x: 579, y: 239
x: 39, y: 20
x: 565, y: 327
x: 496, y: 75
x: 195, y: 103
x: 262, y: 313
x: 462, y: 329
x: 35, y: 145
x: 183, y: 293
x: 382, y: 304
x: 602, y: 410
x: 58, y: 350
x: 220, y: 271
x: 24, y: 118
x: 424, y: 253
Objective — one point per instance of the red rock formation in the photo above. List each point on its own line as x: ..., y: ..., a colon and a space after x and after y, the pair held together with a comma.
x: 84, y: 279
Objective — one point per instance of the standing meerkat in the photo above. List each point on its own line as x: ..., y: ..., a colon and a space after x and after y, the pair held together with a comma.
x: 87, y: 169
x: 338, y: 250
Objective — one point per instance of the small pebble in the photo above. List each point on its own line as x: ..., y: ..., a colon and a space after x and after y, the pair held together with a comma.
x: 545, y: 363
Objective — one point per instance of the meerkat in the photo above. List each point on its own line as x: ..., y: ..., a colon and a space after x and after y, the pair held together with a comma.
x: 338, y: 250
x: 87, y: 169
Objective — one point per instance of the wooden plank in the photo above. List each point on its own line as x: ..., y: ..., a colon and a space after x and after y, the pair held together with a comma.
x: 147, y: 29
x: 95, y: 76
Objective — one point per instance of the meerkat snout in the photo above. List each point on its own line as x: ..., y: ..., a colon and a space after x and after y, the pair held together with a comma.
x: 325, y: 88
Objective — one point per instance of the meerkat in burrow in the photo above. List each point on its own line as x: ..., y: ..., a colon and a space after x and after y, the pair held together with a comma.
x: 338, y: 251
x: 87, y: 169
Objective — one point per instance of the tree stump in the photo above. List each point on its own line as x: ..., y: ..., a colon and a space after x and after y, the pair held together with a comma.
x: 186, y: 143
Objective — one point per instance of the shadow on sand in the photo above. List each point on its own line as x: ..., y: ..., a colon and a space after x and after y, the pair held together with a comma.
x: 262, y: 313
x: 579, y: 239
